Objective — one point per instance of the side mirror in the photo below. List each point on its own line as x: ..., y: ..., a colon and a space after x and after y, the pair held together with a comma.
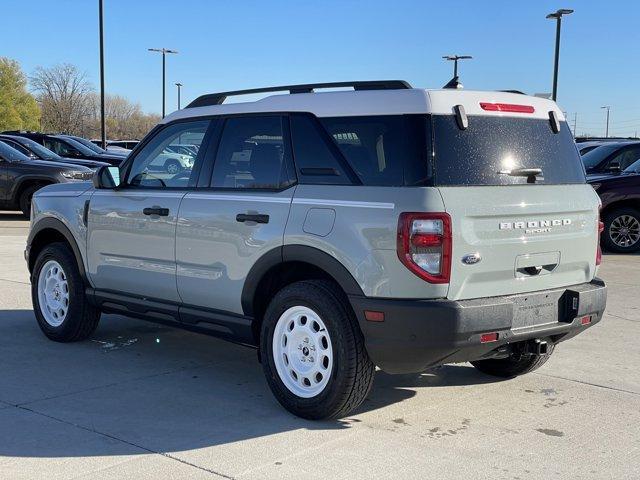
x: 106, y: 177
x: 614, y: 167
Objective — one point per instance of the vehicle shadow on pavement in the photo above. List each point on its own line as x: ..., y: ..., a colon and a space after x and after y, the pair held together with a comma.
x: 157, y: 388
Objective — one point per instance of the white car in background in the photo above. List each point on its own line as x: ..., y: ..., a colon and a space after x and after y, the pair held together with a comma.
x: 171, y: 162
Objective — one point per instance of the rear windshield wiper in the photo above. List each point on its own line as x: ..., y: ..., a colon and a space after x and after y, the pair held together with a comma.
x: 530, y: 173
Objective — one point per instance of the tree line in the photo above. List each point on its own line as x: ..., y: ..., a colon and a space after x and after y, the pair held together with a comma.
x: 60, y: 99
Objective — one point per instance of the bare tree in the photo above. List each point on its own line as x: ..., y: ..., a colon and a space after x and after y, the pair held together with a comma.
x: 125, y: 120
x: 64, y: 95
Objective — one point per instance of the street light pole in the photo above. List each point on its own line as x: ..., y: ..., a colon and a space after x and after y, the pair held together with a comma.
x: 164, y: 51
x: 103, y: 127
x: 558, y: 17
x: 179, y: 85
x: 608, y: 107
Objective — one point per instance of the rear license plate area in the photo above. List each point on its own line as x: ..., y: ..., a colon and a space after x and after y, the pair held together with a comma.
x: 537, y: 309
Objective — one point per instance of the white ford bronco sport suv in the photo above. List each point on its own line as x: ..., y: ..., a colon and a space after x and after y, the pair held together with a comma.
x: 337, y: 231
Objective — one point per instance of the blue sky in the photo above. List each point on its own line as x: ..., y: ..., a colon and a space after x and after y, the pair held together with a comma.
x: 227, y: 45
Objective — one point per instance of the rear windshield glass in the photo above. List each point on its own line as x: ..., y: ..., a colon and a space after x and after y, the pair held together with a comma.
x: 491, y: 147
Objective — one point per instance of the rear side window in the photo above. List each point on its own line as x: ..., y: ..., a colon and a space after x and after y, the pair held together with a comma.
x: 388, y: 150
x: 491, y: 145
x: 251, y: 154
x: 316, y: 163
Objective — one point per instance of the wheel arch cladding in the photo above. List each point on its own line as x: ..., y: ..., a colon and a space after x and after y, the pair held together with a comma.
x: 292, y: 263
x: 51, y: 230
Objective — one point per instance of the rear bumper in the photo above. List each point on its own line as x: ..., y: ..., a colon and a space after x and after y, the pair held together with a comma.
x: 417, y: 334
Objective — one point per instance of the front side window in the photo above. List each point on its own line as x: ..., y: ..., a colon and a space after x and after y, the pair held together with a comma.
x: 251, y: 154
x: 626, y: 157
x: 157, y: 165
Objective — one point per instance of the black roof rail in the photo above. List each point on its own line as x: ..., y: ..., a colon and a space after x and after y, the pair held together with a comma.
x: 219, y: 98
x: 513, y: 91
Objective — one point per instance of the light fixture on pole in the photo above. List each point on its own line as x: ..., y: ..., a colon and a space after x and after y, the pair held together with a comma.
x: 608, y: 107
x: 164, y: 51
x: 557, y: 15
x: 179, y: 85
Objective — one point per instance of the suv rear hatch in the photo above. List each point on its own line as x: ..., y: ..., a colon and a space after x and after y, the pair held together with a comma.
x: 511, y: 233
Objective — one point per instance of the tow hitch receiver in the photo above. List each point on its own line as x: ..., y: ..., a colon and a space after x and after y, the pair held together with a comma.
x: 536, y: 347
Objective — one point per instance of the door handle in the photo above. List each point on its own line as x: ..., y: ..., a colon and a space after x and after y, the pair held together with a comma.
x: 258, y: 218
x: 161, y: 212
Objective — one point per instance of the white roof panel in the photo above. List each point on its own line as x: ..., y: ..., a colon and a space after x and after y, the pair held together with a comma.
x: 377, y: 102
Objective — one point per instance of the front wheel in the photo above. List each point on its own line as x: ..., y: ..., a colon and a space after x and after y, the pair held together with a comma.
x: 59, y: 302
x: 514, y: 365
x: 313, y: 353
x: 25, y: 199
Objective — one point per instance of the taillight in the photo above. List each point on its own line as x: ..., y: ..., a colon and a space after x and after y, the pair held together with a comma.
x: 506, y: 107
x: 599, y: 250
x: 424, y: 245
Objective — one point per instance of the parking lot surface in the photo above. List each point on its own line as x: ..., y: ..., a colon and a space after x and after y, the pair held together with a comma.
x: 146, y: 401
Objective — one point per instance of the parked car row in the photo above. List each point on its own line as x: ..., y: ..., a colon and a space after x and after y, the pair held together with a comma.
x: 613, y: 169
x: 22, y: 175
x: 31, y: 160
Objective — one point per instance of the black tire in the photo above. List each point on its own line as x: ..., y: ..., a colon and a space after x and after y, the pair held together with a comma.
x: 513, y: 366
x: 616, y: 216
x: 82, y: 318
x: 25, y: 199
x: 172, y: 166
x: 352, y: 372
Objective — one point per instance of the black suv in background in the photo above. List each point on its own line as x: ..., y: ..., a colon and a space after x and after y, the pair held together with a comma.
x: 21, y: 177
x: 611, y: 157
x: 68, y: 147
x: 92, y: 146
x: 36, y: 151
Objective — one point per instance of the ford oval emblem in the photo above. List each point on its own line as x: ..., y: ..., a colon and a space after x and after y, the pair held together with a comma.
x: 471, y: 258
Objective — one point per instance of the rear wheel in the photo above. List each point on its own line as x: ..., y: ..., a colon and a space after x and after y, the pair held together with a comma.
x: 313, y: 352
x: 59, y: 302
x: 622, y: 230
x: 514, y: 365
x: 25, y: 199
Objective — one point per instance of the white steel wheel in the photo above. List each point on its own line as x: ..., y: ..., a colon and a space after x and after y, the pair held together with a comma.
x: 53, y: 293
x: 302, y: 352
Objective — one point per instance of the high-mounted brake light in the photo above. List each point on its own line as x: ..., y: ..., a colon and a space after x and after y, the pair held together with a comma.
x: 424, y: 245
x: 507, y: 107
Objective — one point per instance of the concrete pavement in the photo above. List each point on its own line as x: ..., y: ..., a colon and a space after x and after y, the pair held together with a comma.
x: 146, y: 401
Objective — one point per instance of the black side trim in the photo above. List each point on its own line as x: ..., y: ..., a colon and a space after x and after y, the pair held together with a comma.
x: 50, y: 223
x: 296, y: 253
x: 230, y: 326
x: 314, y: 256
x: 258, y: 270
